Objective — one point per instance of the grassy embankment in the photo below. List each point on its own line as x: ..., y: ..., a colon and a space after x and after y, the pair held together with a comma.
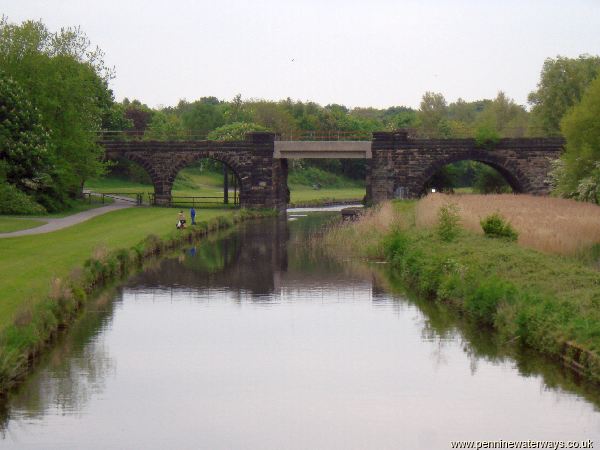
x: 45, y: 278
x: 193, y: 182
x: 547, y: 301
x: 28, y: 263
x: 13, y: 222
x: 9, y: 224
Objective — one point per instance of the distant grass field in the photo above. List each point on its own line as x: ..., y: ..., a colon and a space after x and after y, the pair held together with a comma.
x: 28, y: 263
x: 300, y: 193
x: 191, y: 182
x: 9, y: 224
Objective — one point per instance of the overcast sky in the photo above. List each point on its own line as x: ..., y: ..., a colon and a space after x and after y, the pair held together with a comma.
x: 359, y: 53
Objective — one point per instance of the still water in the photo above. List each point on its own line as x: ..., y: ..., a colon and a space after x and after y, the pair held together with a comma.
x: 249, y: 341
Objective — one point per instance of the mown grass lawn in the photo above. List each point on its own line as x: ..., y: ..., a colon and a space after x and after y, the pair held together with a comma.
x: 28, y: 263
x: 9, y: 224
x: 301, y: 193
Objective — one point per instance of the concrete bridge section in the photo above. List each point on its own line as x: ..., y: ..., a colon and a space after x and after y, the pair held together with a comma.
x: 397, y: 166
x: 323, y: 149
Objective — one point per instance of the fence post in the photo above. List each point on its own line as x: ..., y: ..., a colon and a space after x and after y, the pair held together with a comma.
x: 225, y: 185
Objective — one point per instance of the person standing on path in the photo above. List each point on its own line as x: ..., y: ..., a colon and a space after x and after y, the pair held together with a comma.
x: 193, y: 215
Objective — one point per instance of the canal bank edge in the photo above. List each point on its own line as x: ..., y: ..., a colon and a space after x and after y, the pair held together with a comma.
x: 522, y: 313
x: 473, y: 273
x: 35, y: 328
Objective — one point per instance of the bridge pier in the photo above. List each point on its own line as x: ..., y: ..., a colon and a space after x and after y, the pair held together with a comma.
x: 262, y: 178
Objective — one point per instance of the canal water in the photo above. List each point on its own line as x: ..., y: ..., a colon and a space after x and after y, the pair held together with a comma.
x: 251, y: 340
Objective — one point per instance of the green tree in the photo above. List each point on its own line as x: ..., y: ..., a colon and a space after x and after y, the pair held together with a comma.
x: 578, y: 175
x: 271, y: 115
x: 500, y: 117
x: 234, y: 131
x: 67, y: 81
x: 432, y: 116
x: 165, y: 127
x: 25, y: 149
x: 202, y: 116
x: 562, y: 83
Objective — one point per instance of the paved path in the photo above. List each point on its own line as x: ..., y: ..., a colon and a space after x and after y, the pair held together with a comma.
x: 64, y: 222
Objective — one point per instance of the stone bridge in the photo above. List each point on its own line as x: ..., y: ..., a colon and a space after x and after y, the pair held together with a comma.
x: 396, y: 164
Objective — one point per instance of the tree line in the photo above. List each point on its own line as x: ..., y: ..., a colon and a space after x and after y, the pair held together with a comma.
x: 55, y: 100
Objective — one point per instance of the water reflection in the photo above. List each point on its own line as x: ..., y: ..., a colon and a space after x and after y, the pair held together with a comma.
x: 253, y: 340
x: 73, y: 372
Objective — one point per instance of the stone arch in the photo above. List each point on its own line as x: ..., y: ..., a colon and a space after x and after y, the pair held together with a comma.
x: 143, y: 162
x: 517, y: 180
x: 222, y: 157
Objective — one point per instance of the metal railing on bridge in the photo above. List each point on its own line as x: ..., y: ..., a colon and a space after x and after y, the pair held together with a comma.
x: 324, y: 135
x: 190, y: 135
x: 319, y: 135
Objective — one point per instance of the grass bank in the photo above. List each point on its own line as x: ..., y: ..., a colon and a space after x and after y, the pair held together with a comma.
x: 9, y: 224
x: 45, y: 279
x: 548, y: 302
x: 28, y: 263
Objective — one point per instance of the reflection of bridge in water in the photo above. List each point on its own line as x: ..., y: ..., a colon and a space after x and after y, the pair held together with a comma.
x: 255, y: 264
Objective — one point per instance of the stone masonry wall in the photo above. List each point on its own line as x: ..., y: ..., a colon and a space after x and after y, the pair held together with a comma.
x: 261, y: 176
x: 402, y: 166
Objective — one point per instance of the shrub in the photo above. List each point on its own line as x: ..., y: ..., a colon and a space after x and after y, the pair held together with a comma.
x: 395, y: 244
x: 486, y: 137
x: 495, y: 226
x: 13, y: 201
x: 448, y: 222
x: 483, y: 302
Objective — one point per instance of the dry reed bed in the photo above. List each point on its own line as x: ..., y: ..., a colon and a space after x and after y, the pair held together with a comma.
x: 551, y: 225
x: 361, y: 237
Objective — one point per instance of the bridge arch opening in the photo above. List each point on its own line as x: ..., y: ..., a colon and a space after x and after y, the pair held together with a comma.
x: 320, y: 180
x: 126, y: 178
x: 471, y: 176
x: 206, y: 182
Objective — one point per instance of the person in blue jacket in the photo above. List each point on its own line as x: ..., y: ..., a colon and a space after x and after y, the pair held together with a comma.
x: 193, y: 215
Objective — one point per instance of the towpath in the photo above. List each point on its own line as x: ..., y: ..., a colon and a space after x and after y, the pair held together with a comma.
x: 53, y: 224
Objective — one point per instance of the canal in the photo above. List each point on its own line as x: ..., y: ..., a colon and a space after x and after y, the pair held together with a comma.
x: 252, y: 339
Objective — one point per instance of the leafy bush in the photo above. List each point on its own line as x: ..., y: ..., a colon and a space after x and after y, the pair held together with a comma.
x: 234, y: 131
x: 495, y: 226
x: 448, y: 222
x: 310, y: 176
x: 490, y: 181
x: 13, y: 201
x: 395, y: 244
x: 487, y: 137
x: 483, y: 302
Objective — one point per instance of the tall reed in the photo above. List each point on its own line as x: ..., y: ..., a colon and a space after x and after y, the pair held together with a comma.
x: 548, y: 224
